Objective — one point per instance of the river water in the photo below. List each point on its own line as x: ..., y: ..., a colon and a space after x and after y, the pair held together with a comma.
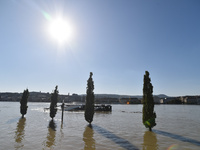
x: 178, y: 127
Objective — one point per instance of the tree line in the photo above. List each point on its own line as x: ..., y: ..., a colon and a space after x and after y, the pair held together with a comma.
x: 148, y: 102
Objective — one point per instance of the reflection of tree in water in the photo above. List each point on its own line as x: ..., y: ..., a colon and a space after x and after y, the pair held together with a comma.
x: 19, y: 133
x: 150, y: 141
x: 61, y: 132
x: 88, y: 138
x: 51, y: 134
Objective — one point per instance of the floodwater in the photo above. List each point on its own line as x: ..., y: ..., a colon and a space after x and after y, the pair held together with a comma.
x: 178, y: 127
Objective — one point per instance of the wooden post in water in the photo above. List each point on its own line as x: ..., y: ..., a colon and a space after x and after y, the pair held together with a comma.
x: 62, y: 106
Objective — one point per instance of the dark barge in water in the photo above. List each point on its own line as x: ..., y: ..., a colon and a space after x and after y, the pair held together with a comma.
x: 82, y: 107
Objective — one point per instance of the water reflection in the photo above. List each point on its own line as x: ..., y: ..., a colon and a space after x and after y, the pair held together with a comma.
x: 61, y: 133
x: 88, y: 138
x: 51, y: 136
x: 150, y: 141
x: 19, y: 133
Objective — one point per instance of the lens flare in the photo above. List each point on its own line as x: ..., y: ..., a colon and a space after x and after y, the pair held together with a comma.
x: 173, y: 147
x: 46, y: 16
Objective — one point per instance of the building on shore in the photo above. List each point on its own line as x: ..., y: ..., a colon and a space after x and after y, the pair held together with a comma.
x: 130, y: 101
x: 190, y: 99
x: 168, y: 100
x: 106, y: 100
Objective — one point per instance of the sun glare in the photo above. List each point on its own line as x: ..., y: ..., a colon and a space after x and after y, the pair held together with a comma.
x: 60, y: 30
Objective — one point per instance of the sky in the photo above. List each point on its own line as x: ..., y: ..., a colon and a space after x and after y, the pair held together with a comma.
x: 117, y: 40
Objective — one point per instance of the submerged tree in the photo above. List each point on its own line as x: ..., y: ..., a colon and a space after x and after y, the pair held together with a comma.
x: 23, y: 102
x: 53, y: 105
x: 89, y: 106
x: 148, y: 103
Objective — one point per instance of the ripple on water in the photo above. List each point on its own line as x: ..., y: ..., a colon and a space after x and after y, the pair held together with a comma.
x: 111, y: 131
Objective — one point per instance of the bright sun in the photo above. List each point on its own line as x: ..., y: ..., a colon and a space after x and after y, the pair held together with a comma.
x: 60, y: 30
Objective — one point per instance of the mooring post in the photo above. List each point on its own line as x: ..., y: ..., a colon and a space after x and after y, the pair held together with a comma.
x: 62, y: 106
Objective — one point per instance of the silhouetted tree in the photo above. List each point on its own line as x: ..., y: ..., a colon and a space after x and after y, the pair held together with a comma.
x: 89, y: 106
x: 54, y: 100
x: 148, y: 103
x: 23, y: 102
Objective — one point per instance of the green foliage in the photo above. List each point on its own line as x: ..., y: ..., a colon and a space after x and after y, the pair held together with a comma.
x: 148, y: 103
x: 89, y: 106
x: 23, y: 102
x: 54, y: 100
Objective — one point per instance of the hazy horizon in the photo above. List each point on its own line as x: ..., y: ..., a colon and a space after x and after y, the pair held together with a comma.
x: 136, y: 95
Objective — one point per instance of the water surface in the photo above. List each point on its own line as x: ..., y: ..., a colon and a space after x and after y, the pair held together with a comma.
x: 177, y: 126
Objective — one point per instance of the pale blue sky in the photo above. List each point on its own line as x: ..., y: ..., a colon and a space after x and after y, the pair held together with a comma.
x: 117, y: 40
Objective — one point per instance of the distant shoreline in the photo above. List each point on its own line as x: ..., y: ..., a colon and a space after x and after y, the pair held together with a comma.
x: 100, y: 98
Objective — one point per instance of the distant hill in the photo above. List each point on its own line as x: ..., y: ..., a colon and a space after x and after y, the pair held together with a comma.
x: 124, y: 96
x: 45, y: 97
x: 162, y: 96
